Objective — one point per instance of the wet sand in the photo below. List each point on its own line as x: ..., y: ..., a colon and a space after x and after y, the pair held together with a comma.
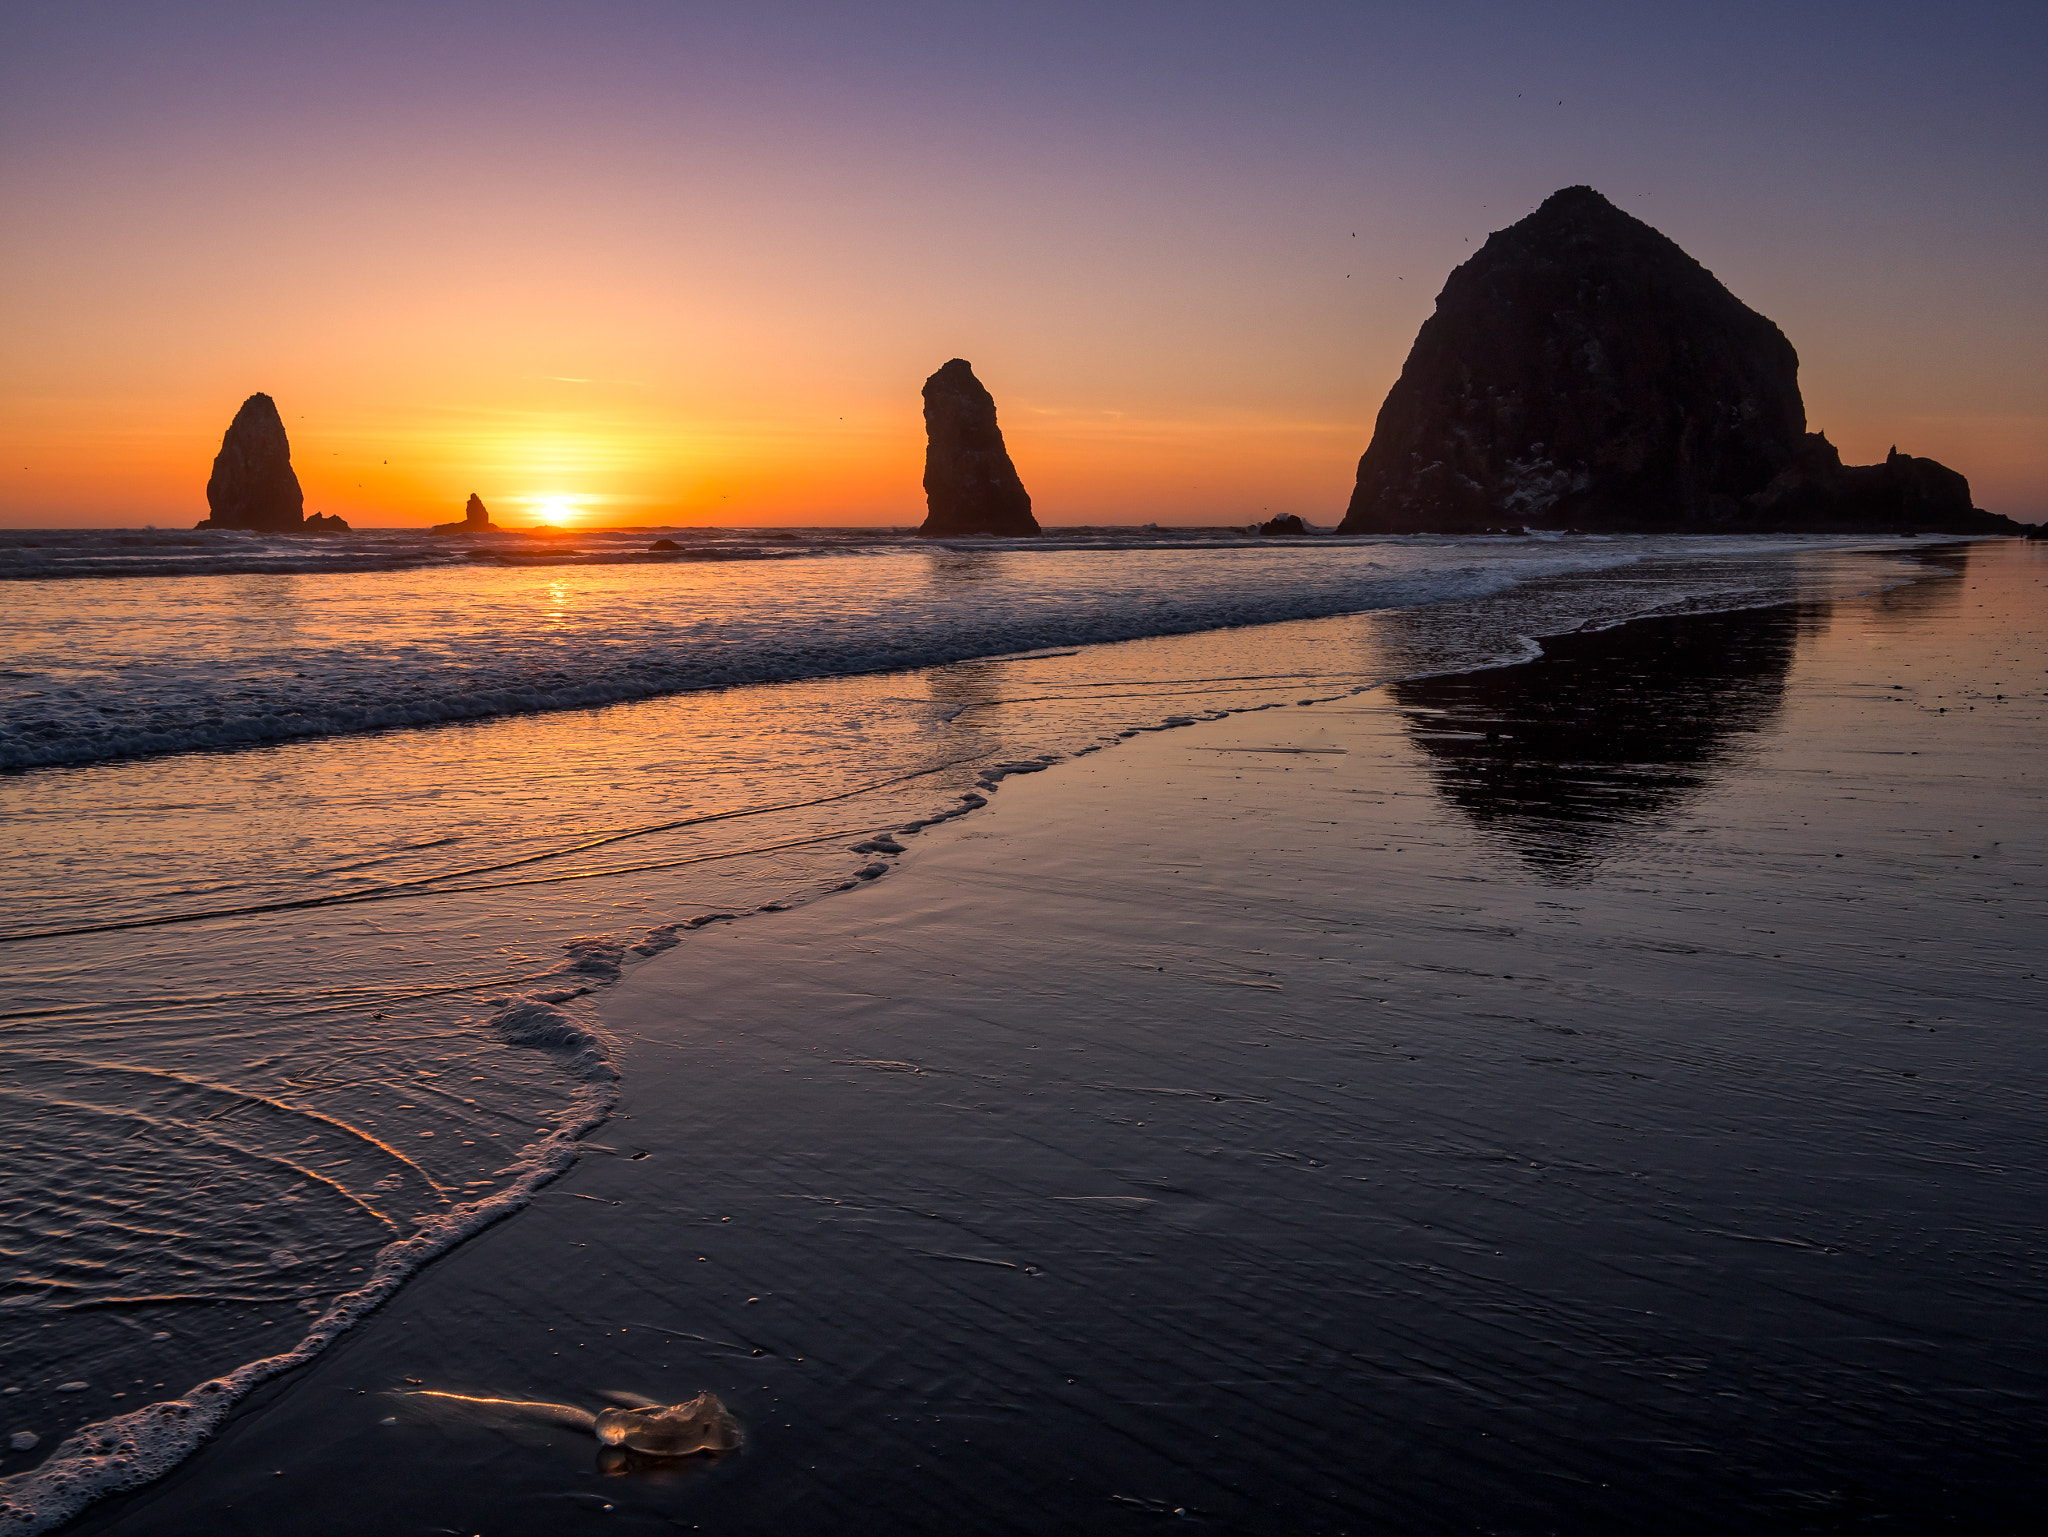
x: 1599, y: 1095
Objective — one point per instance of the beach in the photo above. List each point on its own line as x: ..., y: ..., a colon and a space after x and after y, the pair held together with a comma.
x: 1595, y: 1094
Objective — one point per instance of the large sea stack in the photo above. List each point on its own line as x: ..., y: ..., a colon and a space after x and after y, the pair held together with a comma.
x: 253, y: 485
x: 970, y: 486
x: 1583, y: 372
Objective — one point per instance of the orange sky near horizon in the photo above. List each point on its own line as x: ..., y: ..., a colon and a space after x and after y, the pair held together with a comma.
x: 669, y: 274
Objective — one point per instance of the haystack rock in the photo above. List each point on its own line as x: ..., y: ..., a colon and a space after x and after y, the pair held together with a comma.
x: 476, y: 519
x: 1583, y: 372
x: 253, y: 485
x: 970, y: 486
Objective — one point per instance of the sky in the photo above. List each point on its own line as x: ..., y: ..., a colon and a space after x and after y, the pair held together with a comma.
x: 616, y: 263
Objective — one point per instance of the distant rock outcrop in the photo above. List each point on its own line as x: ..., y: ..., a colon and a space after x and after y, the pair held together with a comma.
x: 1286, y: 523
x: 1581, y: 371
x: 253, y: 485
x: 476, y: 519
x: 970, y: 486
x: 1905, y: 495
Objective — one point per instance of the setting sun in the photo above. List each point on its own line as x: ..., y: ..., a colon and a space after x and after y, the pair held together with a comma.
x: 557, y: 510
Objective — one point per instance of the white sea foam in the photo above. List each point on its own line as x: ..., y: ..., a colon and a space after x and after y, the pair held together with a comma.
x: 135, y: 1448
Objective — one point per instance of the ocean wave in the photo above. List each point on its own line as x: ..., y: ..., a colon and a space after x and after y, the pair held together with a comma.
x: 60, y: 554
x: 231, y: 664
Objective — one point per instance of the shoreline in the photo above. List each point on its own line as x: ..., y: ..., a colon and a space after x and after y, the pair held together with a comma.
x: 328, y: 687
x: 637, y: 1089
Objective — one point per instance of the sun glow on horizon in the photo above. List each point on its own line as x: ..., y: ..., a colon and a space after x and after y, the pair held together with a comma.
x: 555, y: 509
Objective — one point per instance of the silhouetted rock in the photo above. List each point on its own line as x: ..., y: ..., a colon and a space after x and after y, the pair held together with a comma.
x: 1286, y: 523
x: 970, y: 486
x: 252, y: 485
x: 1581, y: 371
x: 476, y: 519
x: 323, y: 523
x: 1903, y: 495
x: 664, y: 544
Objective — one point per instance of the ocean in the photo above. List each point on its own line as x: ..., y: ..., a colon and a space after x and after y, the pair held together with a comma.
x: 319, y: 848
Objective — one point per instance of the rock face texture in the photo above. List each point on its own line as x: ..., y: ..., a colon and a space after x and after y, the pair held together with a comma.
x: 970, y: 486
x: 253, y: 485
x: 1581, y: 371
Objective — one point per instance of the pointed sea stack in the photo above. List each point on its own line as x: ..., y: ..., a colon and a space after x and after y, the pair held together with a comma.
x: 1583, y: 372
x: 970, y: 486
x: 253, y: 486
x: 476, y: 519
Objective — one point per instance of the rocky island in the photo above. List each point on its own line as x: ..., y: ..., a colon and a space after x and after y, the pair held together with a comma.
x: 476, y: 519
x: 1583, y: 372
x: 970, y: 485
x: 253, y: 485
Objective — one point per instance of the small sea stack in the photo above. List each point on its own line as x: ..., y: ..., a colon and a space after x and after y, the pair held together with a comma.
x: 476, y: 519
x: 253, y: 485
x: 970, y: 485
x: 1583, y: 372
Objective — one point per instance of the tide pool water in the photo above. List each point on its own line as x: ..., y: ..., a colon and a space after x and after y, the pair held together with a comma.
x: 311, y: 870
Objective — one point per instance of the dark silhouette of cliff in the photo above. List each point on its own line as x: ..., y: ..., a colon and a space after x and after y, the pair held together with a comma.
x: 970, y: 485
x: 1818, y: 493
x: 253, y: 485
x: 1581, y: 371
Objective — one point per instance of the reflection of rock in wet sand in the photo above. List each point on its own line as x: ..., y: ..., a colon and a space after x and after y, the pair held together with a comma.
x: 1560, y: 757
